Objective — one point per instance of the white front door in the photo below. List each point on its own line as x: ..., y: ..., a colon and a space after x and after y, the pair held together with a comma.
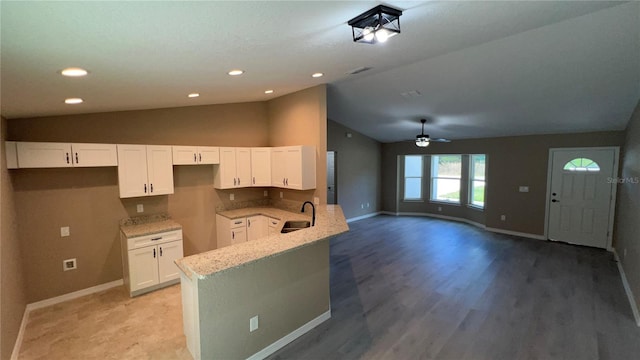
x: 580, y: 196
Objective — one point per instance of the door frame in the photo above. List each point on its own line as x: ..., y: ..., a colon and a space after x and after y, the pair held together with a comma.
x: 614, y: 188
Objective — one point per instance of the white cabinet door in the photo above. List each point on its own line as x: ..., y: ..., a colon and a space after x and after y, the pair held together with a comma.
x: 143, y: 267
x: 192, y: 155
x: 168, y: 253
x: 44, y: 155
x: 243, y: 167
x: 160, y: 169
x: 132, y: 170
x: 261, y: 167
x: 208, y: 155
x: 184, y: 155
x: 91, y: 155
x: 257, y: 227
x: 225, y: 173
x: 293, y: 167
x: 238, y: 235
x: 278, y: 167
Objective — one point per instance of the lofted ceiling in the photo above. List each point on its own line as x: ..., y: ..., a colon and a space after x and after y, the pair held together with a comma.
x: 473, y: 69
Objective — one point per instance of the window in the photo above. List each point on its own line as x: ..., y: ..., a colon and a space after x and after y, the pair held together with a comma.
x: 477, y: 181
x: 446, y: 174
x: 413, y: 177
x: 582, y: 164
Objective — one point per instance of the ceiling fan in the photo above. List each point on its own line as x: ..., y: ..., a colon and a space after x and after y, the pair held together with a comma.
x: 423, y: 139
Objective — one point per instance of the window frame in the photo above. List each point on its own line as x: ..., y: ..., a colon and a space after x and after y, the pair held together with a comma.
x: 404, y: 179
x: 472, y: 179
x: 433, y: 188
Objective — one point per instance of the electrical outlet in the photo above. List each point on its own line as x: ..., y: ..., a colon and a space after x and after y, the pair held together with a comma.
x: 367, y: 204
x: 439, y: 208
x: 503, y: 217
x: 69, y: 264
x: 266, y: 193
x: 253, y: 324
x: 361, y: 206
x: 232, y: 197
x: 64, y: 231
x: 316, y: 200
x: 281, y: 195
x: 523, y: 189
x: 140, y: 208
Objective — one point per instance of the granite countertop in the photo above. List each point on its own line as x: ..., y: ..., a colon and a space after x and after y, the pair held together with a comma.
x: 330, y: 221
x: 147, y: 225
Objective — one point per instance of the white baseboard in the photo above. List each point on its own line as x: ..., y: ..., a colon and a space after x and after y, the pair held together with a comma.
x: 18, y: 344
x: 74, y: 295
x: 53, y: 301
x: 366, y: 216
x: 627, y: 289
x: 279, y: 344
x: 453, y: 218
x: 517, y: 233
x: 437, y: 216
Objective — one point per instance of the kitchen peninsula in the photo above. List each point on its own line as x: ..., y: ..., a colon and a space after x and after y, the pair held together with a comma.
x: 250, y: 299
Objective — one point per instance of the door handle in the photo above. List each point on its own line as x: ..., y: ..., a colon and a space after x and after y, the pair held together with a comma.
x: 554, y: 200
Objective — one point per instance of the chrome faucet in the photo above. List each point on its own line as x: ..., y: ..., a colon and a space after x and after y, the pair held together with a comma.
x: 313, y: 217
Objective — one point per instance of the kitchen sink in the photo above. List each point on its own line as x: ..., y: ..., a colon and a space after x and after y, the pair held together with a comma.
x: 291, y: 226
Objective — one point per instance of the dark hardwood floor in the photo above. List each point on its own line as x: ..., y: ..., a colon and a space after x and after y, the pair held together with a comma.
x: 422, y: 288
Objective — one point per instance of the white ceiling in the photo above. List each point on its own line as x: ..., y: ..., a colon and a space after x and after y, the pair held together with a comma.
x: 483, y: 68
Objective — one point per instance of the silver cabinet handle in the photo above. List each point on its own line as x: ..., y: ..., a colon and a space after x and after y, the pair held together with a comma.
x: 76, y: 158
x: 145, y: 188
x: 156, y: 239
x: 194, y: 158
x: 67, y: 157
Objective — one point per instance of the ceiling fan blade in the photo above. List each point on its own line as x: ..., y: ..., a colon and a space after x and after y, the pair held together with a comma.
x: 440, y: 140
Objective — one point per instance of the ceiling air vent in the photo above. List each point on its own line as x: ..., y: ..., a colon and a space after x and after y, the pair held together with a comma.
x: 411, y: 94
x: 358, y: 70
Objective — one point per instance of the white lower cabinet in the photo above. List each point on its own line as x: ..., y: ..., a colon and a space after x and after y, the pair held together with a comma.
x: 148, y: 261
x: 272, y: 224
x: 257, y: 227
x: 230, y: 231
x: 235, y: 231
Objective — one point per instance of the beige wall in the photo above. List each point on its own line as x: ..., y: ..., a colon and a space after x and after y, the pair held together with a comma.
x: 628, y: 206
x: 86, y: 199
x: 512, y: 161
x: 285, y: 291
x: 12, y: 282
x: 358, y: 174
x: 301, y: 119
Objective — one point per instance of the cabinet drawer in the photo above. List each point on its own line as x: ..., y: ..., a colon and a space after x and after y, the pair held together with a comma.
x: 236, y: 223
x: 153, y: 239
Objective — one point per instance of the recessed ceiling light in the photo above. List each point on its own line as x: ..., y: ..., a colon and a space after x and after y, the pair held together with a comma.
x: 236, y: 72
x: 268, y: 91
x: 73, y: 101
x: 74, y: 72
x: 317, y: 75
x: 193, y: 95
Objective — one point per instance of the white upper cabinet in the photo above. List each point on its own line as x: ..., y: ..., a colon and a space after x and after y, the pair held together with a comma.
x: 52, y: 155
x: 194, y: 155
x: 145, y: 170
x: 88, y: 155
x: 234, y: 169
x: 11, y: 152
x: 261, y: 166
x: 293, y: 167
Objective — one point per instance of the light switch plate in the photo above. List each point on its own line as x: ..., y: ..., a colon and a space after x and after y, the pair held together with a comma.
x: 140, y: 208
x: 523, y: 189
x: 253, y: 324
x: 64, y: 231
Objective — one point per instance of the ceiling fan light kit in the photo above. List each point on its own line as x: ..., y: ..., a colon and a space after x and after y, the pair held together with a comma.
x: 376, y: 25
x: 423, y: 140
